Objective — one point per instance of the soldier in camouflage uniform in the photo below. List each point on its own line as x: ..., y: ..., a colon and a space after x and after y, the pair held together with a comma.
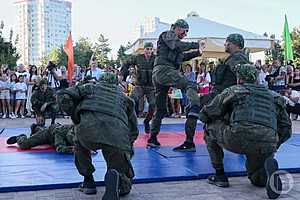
x: 59, y: 136
x: 43, y: 101
x: 143, y: 84
x: 171, y: 52
x: 225, y: 77
x: 104, y: 118
x: 247, y: 119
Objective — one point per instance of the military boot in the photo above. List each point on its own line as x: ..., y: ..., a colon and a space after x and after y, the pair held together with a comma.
x: 186, y: 147
x: 218, y: 180
x: 14, y: 139
x: 274, y: 184
x: 153, y: 142
x: 88, y: 186
x: 111, y: 181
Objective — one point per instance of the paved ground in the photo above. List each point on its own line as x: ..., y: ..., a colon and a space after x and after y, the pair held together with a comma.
x: 191, y: 190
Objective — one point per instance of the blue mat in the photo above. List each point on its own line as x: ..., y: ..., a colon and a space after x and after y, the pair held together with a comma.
x: 25, y: 171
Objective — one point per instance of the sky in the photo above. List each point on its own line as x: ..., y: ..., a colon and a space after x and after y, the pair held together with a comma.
x: 116, y: 19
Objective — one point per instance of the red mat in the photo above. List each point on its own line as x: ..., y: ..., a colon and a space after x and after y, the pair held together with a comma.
x: 165, y: 138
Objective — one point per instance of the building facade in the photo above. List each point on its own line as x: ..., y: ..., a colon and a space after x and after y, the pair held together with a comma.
x: 42, y: 26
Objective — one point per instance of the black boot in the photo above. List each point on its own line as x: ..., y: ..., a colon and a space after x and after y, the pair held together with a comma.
x: 218, y: 180
x: 153, y: 142
x: 88, y: 186
x: 274, y: 184
x: 186, y: 147
x: 111, y: 181
x: 14, y: 139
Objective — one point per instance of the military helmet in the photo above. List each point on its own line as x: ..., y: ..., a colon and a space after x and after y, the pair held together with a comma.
x: 181, y: 23
x: 236, y: 39
x: 247, y: 73
x: 109, y: 78
x: 148, y: 44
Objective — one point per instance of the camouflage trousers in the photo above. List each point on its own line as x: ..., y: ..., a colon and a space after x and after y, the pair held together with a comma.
x: 39, y: 138
x: 149, y: 92
x: 218, y: 135
x: 191, y: 122
x: 164, y: 78
x: 114, y: 158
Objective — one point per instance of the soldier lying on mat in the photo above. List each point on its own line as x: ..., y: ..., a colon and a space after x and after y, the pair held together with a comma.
x: 57, y: 135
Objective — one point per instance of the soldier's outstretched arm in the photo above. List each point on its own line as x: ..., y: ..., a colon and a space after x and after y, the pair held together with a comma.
x: 189, y: 55
x: 173, y: 42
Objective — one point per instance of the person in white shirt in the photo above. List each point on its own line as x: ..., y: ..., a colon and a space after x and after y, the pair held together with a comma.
x: 22, y: 71
x: 21, y: 89
x: 95, y: 72
x: 292, y: 98
x: 262, y: 76
x: 5, y: 96
x: 54, y: 75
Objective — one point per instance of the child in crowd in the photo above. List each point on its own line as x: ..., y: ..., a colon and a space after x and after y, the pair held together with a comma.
x: 13, y: 81
x: 21, y: 89
x: 5, y: 96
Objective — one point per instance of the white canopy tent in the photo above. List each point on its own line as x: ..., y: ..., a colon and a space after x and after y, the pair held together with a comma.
x: 212, y: 32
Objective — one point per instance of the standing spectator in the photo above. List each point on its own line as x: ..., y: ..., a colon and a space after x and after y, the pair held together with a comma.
x: 295, y: 84
x: 5, y: 96
x: 203, y: 80
x: 64, y: 80
x: 175, y: 97
x: 263, y: 73
x: 289, y: 75
x: 191, y: 77
x: 32, y: 77
x: 95, y: 72
x: 21, y: 89
x: 22, y: 71
x: 13, y: 81
x: 54, y: 75
x: 212, y: 73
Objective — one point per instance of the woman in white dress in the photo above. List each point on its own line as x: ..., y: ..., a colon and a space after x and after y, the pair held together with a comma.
x: 32, y: 78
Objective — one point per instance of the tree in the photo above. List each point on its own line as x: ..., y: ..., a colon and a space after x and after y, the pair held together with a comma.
x: 121, y: 56
x: 8, y: 51
x: 276, y: 50
x: 83, y: 52
x: 101, y: 49
x: 54, y: 55
x: 296, y: 44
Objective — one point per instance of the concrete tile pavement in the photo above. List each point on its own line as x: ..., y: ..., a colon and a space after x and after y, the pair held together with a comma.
x: 240, y: 189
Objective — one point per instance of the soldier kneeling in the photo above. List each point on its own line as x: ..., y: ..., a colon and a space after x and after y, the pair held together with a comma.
x: 247, y: 119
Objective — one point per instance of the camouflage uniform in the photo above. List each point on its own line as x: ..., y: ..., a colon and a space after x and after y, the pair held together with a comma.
x: 225, y: 77
x: 246, y: 119
x: 40, y: 97
x: 104, y: 119
x: 143, y: 82
x: 171, y: 52
x: 59, y: 136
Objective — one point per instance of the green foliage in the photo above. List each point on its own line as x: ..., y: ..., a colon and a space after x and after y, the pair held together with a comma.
x: 8, y: 51
x: 83, y: 51
x: 296, y: 44
x: 101, y: 49
x: 121, y: 56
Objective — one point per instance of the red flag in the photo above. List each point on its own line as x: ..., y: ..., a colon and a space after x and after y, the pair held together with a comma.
x: 68, y: 48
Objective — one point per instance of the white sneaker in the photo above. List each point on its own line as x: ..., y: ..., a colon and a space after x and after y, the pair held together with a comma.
x: 12, y: 116
x: 22, y: 116
x: 4, y: 116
